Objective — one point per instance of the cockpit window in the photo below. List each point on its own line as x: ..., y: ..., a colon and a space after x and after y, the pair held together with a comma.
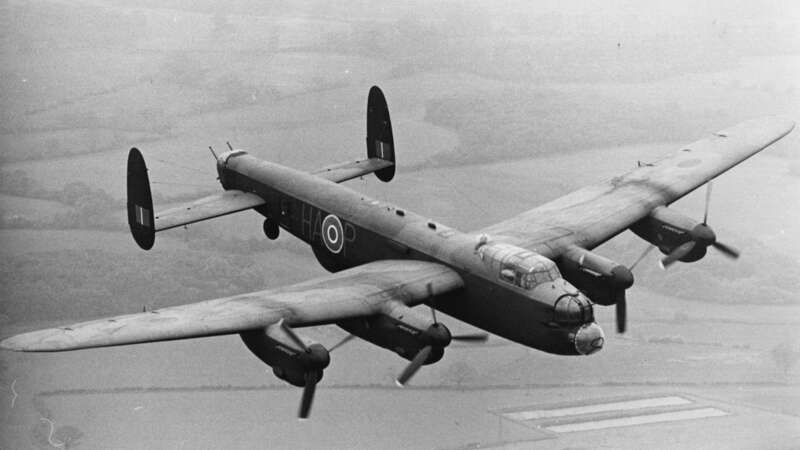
x: 517, y: 266
x: 508, y: 275
x: 540, y: 274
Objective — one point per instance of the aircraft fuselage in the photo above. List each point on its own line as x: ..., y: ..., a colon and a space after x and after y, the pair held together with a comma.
x: 346, y: 228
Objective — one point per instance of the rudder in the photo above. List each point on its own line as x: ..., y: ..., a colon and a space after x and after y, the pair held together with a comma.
x: 380, y: 141
x: 140, y: 201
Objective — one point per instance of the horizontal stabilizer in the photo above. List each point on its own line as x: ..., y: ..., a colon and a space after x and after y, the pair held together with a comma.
x: 349, y: 170
x: 216, y: 205
x: 380, y: 146
x: 144, y: 224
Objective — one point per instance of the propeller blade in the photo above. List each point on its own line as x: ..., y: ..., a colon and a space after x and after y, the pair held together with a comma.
x: 679, y: 252
x: 622, y: 315
x: 414, y: 365
x: 293, y: 335
x: 346, y: 339
x: 726, y: 250
x: 429, y: 287
x: 471, y: 337
x: 708, y: 201
x: 641, y: 257
x: 308, y: 395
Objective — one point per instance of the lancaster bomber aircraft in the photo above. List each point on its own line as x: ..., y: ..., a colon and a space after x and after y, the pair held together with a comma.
x: 532, y: 279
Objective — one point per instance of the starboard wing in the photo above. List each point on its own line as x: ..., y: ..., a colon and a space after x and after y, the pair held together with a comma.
x: 592, y: 215
x: 360, y: 291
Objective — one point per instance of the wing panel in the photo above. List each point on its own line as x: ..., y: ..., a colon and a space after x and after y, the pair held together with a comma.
x: 592, y: 215
x: 351, y: 293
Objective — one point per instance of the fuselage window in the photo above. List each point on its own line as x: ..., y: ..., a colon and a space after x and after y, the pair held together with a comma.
x: 508, y: 275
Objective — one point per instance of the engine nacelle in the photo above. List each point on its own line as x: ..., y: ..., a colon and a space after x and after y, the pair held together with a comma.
x: 289, y: 362
x: 601, y: 279
x: 401, y: 330
x: 668, y: 229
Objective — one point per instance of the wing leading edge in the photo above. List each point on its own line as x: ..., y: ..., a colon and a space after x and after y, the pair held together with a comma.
x: 360, y: 291
x: 592, y: 215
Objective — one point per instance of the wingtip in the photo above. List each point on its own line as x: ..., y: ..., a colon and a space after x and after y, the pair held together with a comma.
x: 786, y: 121
x: 777, y: 124
x: 783, y: 124
x: 34, y: 341
x: 11, y: 344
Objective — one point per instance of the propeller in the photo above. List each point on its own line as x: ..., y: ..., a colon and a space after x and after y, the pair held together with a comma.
x: 703, y: 235
x: 312, y: 375
x: 437, y: 335
x: 293, y: 336
x: 414, y: 365
x: 726, y: 250
x: 471, y: 337
x: 466, y: 337
x: 679, y: 252
x: 346, y: 339
x: 621, y: 307
x: 641, y: 257
x: 311, y: 378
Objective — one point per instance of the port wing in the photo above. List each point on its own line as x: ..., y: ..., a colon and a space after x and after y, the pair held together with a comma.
x: 360, y: 291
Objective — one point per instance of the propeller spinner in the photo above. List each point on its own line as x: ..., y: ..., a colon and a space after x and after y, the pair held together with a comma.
x: 701, y: 235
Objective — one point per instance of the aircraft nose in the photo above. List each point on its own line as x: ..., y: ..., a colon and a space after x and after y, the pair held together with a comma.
x: 589, y: 339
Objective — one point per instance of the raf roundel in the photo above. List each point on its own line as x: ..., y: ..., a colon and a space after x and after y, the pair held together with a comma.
x: 332, y: 234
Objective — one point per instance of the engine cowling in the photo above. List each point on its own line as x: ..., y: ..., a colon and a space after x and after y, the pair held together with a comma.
x: 668, y: 229
x: 288, y: 360
x: 402, y: 330
x: 601, y: 279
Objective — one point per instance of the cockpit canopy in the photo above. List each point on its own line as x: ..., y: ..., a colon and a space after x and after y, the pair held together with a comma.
x: 514, y: 265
